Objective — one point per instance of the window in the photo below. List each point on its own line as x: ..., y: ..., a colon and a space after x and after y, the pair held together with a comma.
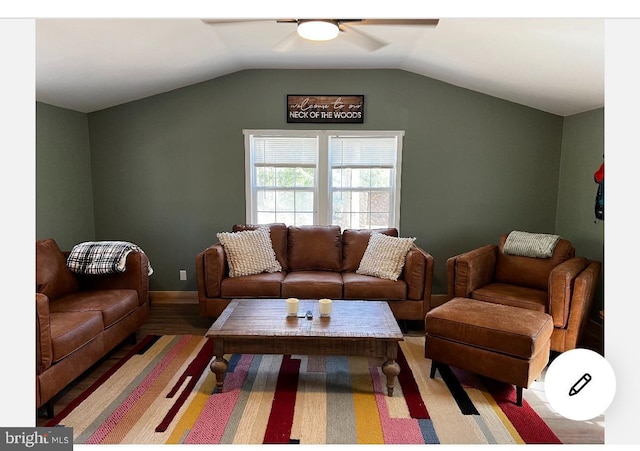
x: 350, y: 179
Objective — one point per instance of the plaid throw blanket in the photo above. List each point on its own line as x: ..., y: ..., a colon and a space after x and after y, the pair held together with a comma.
x: 101, y: 257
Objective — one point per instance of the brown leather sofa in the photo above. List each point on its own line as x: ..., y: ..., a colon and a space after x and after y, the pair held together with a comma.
x: 317, y: 262
x: 562, y: 285
x: 80, y: 318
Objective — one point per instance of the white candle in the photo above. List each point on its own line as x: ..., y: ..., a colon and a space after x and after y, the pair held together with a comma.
x: 324, y: 307
x: 292, y: 306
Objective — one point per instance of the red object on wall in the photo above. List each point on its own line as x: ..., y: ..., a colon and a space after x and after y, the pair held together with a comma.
x: 598, y: 176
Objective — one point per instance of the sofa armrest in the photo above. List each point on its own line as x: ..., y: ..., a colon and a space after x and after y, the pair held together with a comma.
x: 471, y: 270
x: 135, y: 277
x: 584, y: 288
x: 210, y: 270
x: 561, y: 286
x: 451, y: 276
x: 44, y: 347
x: 418, y: 274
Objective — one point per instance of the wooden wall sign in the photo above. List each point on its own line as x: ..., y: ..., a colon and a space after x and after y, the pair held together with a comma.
x: 325, y: 109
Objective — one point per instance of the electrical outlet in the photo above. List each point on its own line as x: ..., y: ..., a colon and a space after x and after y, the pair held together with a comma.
x: 183, y: 274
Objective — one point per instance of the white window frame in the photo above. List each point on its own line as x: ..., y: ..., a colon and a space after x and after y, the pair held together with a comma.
x: 322, y: 208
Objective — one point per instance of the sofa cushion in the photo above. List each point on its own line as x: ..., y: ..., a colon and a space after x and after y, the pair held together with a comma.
x: 254, y: 286
x: 311, y: 248
x: 385, y: 256
x: 528, y: 271
x: 113, y: 305
x: 278, y: 234
x: 354, y: 243
x: 358, y: 286
x: 513, y: 295
x: 72, y: 330
x: 312, y: 285
x: 53, y: 278
x: 249, y: 252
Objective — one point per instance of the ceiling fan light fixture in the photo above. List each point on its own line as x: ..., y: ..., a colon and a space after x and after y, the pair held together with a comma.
x: 318, y: 30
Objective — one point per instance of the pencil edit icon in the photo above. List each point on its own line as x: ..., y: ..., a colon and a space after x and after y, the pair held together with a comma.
x: 569, y: 373
x: 580, y: 384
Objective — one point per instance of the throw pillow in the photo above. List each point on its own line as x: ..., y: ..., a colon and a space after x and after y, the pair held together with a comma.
x: 385, y: 256
x: 525, y: 244
x: 249, y: 252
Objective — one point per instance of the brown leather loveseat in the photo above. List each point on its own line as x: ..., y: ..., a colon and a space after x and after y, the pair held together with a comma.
x: 80, y: 318
x: 317, y: 262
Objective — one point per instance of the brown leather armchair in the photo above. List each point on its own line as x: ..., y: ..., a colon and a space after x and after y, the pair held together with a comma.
x: 562, y: 285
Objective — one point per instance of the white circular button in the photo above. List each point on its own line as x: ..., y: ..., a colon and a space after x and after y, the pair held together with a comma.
x: 580, y: 384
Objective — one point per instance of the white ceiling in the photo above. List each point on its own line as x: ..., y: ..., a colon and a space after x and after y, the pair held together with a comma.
x: 555, y: 65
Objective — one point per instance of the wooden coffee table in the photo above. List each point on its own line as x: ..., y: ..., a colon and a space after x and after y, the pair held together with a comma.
x: 261, y: 326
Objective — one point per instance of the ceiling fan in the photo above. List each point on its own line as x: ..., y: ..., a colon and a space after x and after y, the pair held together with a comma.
x: 328, y: 29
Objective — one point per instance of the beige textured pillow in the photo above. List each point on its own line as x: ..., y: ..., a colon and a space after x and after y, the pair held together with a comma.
x: 249, y: 252
x: 536, y: 245
x: 385, y: 256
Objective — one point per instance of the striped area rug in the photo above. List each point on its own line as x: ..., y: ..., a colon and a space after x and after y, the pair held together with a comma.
x: 164, y: 392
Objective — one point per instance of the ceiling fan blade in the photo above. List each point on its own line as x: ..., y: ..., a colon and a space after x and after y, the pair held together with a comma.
x: 417, y: 22
x: 361, y: 39
x: 287, y: 42
x: 231, y: 21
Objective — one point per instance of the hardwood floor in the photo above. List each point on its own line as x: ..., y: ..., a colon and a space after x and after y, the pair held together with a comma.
x: 184, y: 318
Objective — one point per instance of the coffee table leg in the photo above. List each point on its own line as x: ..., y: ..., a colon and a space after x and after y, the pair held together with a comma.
x: 391, y: 369
x: 219, y: 367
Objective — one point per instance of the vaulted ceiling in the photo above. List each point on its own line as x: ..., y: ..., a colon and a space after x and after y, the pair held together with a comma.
x: 555, y: 65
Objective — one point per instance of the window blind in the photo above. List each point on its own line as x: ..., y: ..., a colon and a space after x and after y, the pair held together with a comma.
x: 362, y: 152
x: 284, y: 151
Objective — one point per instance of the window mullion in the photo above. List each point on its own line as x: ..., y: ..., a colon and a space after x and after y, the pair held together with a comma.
x: 322, y: 214
x: 251, y: 192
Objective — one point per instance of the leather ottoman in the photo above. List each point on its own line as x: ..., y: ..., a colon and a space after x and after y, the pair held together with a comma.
x: 502, y: 342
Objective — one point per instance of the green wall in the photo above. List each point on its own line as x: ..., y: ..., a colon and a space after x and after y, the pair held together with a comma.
x: 64, y: 195
x: 582, y: 154
x: 168, y: 170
